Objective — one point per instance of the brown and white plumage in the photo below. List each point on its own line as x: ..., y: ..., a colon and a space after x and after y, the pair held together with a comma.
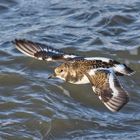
x: 107, y: 87
x: 100, y: 72
x: 103, y: 81
x: 43, y: 52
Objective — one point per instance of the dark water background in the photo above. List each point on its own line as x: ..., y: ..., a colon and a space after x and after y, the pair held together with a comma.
x: 35, y: 108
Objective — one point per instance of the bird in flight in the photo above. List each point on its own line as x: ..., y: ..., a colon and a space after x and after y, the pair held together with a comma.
x: 100, y: 72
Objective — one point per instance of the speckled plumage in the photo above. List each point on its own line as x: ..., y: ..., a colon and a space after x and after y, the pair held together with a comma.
x: 100, y: 72
x: 103, y: 81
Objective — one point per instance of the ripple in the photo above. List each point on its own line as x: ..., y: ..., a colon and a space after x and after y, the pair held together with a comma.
x: 33, y: 107
x: 3, y: 8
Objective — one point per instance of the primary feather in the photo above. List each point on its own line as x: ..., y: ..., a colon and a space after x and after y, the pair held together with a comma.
x: 99, y: 71
x: 43, y: 52
x: 108, y: 89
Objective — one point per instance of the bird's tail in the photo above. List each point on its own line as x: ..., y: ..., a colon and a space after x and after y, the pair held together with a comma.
x: 122, y: 69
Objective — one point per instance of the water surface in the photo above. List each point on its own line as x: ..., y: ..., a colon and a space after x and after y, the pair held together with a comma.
x: 33, y: 107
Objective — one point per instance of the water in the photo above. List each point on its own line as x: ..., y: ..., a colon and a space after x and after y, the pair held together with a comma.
x: 33, y: 107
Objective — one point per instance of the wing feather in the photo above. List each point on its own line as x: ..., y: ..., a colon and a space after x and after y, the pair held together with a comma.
x: 41, y: 51
x: 44, y: 52
x: 107, y: 87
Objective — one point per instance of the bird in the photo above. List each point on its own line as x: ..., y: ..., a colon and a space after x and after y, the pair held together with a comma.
x: 100, y: 72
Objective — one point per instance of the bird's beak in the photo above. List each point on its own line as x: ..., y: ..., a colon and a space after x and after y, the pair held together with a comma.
x: 52, y: 76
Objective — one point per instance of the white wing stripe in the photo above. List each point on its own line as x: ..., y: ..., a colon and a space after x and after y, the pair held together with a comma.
x: 25, y: 51
x: 98, y: 58
x: 30, y: 49
x: 112, y: 86
x: 115, y: 102
x: 113, y: 110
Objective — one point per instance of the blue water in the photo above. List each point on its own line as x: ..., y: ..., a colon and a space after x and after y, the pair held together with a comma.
x: 35, y: 108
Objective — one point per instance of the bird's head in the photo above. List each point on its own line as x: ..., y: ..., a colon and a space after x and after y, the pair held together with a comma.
x: 60, y: 71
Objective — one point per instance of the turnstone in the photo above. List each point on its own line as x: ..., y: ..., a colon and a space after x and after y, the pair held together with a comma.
x: 100, y: 72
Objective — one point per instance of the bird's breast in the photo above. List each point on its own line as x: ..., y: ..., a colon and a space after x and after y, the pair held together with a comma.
x: 83, y: 80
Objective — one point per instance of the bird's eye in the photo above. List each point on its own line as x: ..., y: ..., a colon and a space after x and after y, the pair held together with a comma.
x: 61, y: 70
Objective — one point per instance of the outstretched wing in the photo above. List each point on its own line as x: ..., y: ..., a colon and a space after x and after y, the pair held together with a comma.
x: 108, y: 89
x: 44, y: 52
x: 41, y: 51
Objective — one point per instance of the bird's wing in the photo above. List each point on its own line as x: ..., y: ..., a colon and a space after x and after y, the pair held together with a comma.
x: 41, y: 51
x: 44, y: 52
x: 108, y: 89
